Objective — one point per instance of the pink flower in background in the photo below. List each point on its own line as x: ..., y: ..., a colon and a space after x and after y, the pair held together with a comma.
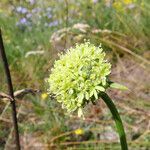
x: 32, y: 2
x: 95, y: 1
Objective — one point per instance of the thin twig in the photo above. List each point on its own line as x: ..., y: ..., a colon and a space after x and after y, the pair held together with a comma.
x: 11, y: 94
x: 19, y: 93
x: 5, y: 96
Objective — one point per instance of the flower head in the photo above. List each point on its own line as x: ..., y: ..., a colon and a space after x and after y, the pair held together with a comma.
x: 121, y: 5
x: 22, y: 22
x: 44, y: 96
x: 79, y: 131
x: 32, y: 2
x: 95, y: 1
x: 127, y: 2
x: 29, y: 15
x: 21, y: 10
x: 79, y: 76
x: 52, y: 24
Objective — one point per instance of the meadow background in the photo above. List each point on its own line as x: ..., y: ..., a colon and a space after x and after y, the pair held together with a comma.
x: 35, y: 31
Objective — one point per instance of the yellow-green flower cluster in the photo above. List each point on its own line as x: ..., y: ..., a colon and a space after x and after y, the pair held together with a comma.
x: 79, y: 76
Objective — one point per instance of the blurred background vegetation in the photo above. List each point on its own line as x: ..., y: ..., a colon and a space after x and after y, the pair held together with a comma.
x: 35, y: 31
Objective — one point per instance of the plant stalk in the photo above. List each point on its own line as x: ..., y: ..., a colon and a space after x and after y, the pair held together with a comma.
x: 117, y: 119
x: 11, y: 93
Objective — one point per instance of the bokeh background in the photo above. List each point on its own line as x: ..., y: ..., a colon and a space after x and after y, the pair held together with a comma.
x: 35, y: 31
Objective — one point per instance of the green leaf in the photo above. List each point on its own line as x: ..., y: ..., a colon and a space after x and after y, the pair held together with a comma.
x: 100, y: 88
x: 95, y: 94
x: 91, y: 93
x: 118, y: 86
x: 104, y: 81
x: 87, y: 96
x: 81, y: 96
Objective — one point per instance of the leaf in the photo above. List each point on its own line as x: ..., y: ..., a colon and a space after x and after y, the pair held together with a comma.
x: 95, y: 94
x: 100, y: 88
x: 87, y: 96
x: 118, y: 86
x: 104, y: 81
x: 91, y: 93
x: 81, y: 96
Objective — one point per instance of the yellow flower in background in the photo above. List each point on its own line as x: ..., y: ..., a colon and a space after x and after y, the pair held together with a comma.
x: 121, y: 5
x: 44, y: 96
x: 127, y: 2
x: 118, y: 6
x: 79, y: 131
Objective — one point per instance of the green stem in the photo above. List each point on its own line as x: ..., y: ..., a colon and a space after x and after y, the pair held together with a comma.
x: 117, y: 119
